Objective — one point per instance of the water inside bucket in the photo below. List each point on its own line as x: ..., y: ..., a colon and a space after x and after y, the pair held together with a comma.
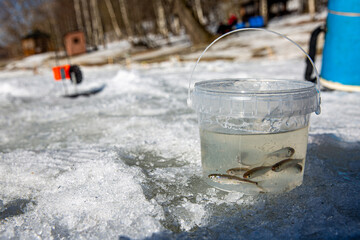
x: 253, y: 157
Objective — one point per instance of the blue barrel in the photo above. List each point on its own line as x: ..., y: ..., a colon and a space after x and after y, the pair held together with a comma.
x: 341, y: 54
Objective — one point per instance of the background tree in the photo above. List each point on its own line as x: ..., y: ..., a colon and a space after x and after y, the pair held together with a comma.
x: 98, y: 33
x: 123, y: 10
x: 198, y: 34
x: 137, y: 20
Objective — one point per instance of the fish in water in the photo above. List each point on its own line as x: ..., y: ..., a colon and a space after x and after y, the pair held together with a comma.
x: 237, y: 171
x: 229, y: 179
x: 298, y: 168
x: 277, y: 167
x: 250, y: 160
x: 256, y: 172
x: 282, y: 153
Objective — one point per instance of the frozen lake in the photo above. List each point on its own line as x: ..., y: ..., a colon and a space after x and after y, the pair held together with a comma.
x: 125, y: 163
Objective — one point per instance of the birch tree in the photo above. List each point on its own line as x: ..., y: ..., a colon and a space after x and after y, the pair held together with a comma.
x: 161, y: 19
x: 113, y: 18
x: 125, y: 18
x: 264, y: 12
x: 98, y: 32
x: 311, y: 4
x: 175, y: 24
x: 78, y: 14
x: 199, y: 12
x: 87, y: 21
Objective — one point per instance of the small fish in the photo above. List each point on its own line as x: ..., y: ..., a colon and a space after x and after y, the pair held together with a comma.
x: 282, y: 153
x: 237, y: 171
x: 228, y: 179
x: 277, y: 167
x: 256, y: 172
x: 298, y: 168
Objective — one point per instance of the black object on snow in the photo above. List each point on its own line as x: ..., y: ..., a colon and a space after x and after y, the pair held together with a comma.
x: 86, y: 93
x: 75, y: 74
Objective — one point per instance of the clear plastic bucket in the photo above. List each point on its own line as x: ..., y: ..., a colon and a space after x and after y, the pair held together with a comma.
x: 254, y: 132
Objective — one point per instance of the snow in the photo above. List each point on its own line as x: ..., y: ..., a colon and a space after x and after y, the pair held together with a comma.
x: 125, y: 163
x: 33, y: 61
x: 101, y: 56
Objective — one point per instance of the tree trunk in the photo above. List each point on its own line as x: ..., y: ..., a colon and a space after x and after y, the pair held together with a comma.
x: 58, y: 41
x: 97, y: 25
x: 125, y: 18
x: 78, y: 14
x: 311, y: 4
x: 197, y: 33
x: 113, y: 18
x: 175, y: 25
x: 87, y: 22
x: 264, y: 10
x: 199, y: 12
x: 94, y: 18
x: 161, y: 19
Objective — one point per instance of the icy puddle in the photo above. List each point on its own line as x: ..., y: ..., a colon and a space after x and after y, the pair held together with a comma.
x: 126, y: 164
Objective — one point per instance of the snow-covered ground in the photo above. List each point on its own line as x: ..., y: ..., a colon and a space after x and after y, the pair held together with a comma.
x: 125, y: 163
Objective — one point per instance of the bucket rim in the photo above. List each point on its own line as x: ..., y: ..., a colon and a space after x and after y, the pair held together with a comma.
x: 306, y: 87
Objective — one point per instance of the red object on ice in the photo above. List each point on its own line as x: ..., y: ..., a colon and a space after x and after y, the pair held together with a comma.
x: 232, y: 20
x: 61, y: 72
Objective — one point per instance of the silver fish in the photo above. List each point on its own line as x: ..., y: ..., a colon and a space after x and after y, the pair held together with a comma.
x: 256, y: 172
x: 277, y: 167
x: 282, y: 153
x: 229, y: 179
x: 237, y: 171
x: 297, y: 167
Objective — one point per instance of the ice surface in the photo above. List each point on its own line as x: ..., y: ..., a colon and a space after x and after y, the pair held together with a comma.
x: 125, y: 163
x: 31, y: 61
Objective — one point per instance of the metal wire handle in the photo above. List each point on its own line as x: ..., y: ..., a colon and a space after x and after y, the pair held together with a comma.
x: 192, y: 83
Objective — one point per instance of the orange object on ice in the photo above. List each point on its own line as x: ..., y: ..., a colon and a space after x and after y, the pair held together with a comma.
x: 61, y: 72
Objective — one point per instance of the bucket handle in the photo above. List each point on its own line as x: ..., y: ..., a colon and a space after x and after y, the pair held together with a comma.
x: 312, y: 51
x: 192, y: 83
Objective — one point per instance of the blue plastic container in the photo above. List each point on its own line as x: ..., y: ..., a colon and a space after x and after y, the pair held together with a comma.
x: 240, y: 25
x: 341, y: 55
x: 255, y: 22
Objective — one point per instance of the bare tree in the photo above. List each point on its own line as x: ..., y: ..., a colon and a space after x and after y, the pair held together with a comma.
x: 113, y: 18
x: 175, y: 25
x: 197, y: 33
x: 311, y: 4
x: 54, y: 30
x: 88, y: 27
x: 264, y: 11
x: 98, y: 33
x: 61, y: 23
x: 18, y: 18
x: 78, y: 14
x: 199, y: 12
x: 160, y: 18
x: 125, y: 18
